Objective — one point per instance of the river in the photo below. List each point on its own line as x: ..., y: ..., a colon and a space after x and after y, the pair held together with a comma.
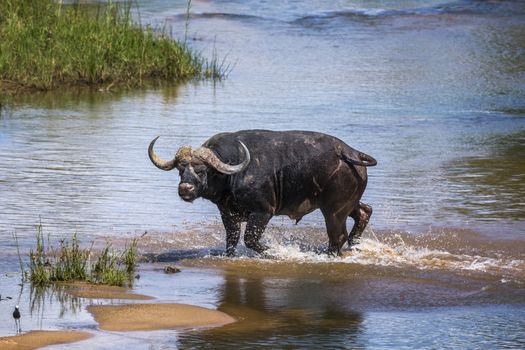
x: 434, y: 90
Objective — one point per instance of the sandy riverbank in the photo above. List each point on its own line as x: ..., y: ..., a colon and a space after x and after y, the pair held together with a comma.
x: 143, y: 317
x: 133, y: 317
x: 38, y: 339
x: 97, y: 291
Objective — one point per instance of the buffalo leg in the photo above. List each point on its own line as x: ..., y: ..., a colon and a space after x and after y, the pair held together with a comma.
x: 232, y: 225
x: 254, y: 229
x: 361, y: 216
x: 337, y: 233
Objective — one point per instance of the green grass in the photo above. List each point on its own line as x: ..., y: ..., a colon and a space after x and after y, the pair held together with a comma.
x: 71, y: 262
x: 45, y: 44
x: 115, y: 268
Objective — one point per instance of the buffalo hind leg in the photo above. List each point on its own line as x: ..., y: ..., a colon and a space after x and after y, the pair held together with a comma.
x: 232, y: 225
x: 254, y: 229
x: 337, y: 233
x: 361, y: 216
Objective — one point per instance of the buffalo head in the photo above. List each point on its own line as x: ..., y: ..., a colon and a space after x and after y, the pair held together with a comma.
x: 194, y: 166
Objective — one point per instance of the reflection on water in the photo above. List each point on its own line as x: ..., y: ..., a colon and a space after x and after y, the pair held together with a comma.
x: 490, y: 186
x: 336, y: 306
x: 42, y: 308
x: 279, y: 313
x: 54, y: 296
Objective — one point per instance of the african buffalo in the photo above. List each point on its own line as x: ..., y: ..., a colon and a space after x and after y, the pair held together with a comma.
x: 252, y: 175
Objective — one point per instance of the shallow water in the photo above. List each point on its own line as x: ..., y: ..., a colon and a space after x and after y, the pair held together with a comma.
x: 432, y: 89
x: 306, y: 304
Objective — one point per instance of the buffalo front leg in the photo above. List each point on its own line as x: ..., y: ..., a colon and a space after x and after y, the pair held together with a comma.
x: 232, y: 225
x: 254, y: 229
x: 361, y: 216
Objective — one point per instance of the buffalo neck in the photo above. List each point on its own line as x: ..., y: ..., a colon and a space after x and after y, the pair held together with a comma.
x: 217, y: 187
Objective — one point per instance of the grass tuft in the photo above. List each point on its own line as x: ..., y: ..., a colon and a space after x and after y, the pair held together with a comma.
x: 46, y: 44
x: 72, y: 263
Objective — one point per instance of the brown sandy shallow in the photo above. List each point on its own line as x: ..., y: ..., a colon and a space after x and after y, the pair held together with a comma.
x: 38, y: 339
x: 143, y: 317
x: 97, y: 291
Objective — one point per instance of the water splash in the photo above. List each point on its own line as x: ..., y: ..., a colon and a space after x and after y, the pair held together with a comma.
x: 395, y: 252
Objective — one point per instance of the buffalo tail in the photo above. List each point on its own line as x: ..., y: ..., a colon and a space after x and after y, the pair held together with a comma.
x: 364, y: 159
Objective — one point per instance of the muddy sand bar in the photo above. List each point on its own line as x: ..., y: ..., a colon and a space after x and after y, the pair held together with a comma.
x: 143, y: 317
x: 38, y: 339
x: 99, y: 291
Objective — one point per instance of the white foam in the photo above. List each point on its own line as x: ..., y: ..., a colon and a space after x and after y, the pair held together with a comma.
x: 371, y: 251
x: 371, y: 11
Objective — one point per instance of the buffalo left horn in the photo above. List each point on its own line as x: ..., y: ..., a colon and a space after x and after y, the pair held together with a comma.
x: 207, y: 155
x: 159, y: 163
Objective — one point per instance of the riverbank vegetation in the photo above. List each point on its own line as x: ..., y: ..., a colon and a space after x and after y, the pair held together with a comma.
x: 46, y: 44
x: 71, y: 262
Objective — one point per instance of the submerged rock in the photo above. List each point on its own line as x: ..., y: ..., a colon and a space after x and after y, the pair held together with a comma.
x: 171, y: 269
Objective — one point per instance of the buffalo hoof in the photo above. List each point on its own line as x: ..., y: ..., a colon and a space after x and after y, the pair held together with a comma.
x: 229, y: 253
x: 265, y: 255
x: 333, y: 253
x: 353, y: 245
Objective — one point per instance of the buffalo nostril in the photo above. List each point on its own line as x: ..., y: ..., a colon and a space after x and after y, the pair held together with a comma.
x: 186, y: 187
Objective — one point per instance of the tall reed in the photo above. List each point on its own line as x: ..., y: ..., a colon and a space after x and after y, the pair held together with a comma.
x: 39, y: 273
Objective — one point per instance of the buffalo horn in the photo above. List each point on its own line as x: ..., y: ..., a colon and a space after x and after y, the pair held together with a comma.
x: 159, y: 163
x: 207, y: 155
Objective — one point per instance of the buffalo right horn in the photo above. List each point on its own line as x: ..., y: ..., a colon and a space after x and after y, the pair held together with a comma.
x: 207, y: 155
x: 159, y: 163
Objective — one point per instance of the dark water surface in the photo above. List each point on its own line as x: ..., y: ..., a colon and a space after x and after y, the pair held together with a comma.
x: 433, y: 89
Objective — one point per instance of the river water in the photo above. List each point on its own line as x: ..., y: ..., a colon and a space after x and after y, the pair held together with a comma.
x: 434, y: 90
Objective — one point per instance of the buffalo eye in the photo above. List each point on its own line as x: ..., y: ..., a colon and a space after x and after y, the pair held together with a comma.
x: 181, y: 166
x: 201, y: 170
